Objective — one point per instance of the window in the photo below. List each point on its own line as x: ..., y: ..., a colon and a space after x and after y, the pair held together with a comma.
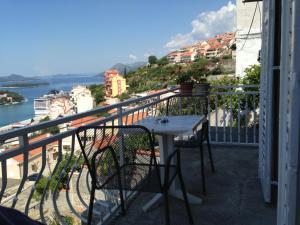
x: 34, y: 167
x: 55, y: 154
x: 67, y: 147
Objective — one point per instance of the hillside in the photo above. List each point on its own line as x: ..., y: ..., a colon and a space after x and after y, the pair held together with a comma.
x: 157, y: 77
x: 129, y: 67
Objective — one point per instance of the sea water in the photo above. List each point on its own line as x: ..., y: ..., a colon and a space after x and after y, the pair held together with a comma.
x: 22, y: 111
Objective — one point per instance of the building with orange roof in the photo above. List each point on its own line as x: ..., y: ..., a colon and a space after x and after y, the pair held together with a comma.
x: 15, y: 164
x: 84, y: 121
x: 174, y: 57
x: 115, y: 83
x: 187, y: 57
x: 213, y: 47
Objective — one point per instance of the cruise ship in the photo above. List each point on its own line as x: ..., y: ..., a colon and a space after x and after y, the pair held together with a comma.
x: 42, y: 104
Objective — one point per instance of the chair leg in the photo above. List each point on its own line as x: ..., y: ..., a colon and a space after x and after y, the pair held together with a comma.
x: 202, y: 170
x: 167, y: 210
x: 210, y: 154
x: 91, y: 205
x: 186, y: 201
x: 122, y: 201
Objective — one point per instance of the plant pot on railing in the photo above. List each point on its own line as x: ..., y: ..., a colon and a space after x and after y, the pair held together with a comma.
x: 186, y: 88
x: 185, y: 81
x: 201, y: 89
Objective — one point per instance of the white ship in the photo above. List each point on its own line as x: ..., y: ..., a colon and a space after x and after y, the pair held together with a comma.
x: 42, y: 104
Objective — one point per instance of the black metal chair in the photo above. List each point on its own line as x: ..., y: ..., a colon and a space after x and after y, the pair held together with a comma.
x: 9, y: 216
x: 193, y: 105
x: 123, y: 158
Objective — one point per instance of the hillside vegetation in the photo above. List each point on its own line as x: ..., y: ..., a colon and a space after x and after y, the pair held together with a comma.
x: 161, y: 74
x: 11, y: 97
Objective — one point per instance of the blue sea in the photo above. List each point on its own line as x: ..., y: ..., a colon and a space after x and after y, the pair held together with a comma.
x: 13, y: 113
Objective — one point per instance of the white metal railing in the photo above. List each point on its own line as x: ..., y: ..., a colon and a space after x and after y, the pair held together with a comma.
x: 233, y: 114
x: 61, y: 183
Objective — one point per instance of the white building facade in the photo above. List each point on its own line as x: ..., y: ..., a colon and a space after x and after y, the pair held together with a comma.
x: 248, y: 41
x: 82, y: 98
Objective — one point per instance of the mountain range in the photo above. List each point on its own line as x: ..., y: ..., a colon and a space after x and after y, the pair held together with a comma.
x: 129, y: 67
x: 119, y: 66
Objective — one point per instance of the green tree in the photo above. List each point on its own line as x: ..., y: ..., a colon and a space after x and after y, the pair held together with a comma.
x: 163, y: 61
x: 42, y: 182
x: 124, y: 96
x: 152, y: 59
x: 252, y: 76
x: 98, y: 92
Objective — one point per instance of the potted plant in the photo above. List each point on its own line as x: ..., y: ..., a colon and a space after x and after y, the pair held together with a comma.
x: 201, y: 86
x: 185, y: 81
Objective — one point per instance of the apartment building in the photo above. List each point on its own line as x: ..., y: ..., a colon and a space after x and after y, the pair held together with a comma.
x: 115, y: 84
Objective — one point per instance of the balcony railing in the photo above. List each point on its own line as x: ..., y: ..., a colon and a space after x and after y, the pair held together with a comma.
x: 45, y: 177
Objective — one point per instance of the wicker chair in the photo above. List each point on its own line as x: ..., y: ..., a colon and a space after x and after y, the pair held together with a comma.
x: 123, y: 158
x: 193, y: 105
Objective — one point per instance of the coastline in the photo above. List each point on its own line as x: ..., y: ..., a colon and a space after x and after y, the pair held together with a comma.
x: 10, y: 114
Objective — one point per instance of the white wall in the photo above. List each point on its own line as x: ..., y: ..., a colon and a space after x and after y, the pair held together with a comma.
x: 247, y: 52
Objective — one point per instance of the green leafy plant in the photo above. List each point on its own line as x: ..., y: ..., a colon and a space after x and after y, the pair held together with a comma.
x: 152, y: 59
x: 184, y: 77
x: 98, y: 92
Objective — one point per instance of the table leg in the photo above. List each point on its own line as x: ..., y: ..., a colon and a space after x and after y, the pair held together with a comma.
x: 166, y: 146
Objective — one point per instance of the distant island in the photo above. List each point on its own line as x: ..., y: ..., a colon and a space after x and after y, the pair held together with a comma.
x: 10, y: 98
x: 17, y: 78
x: 37, y: 84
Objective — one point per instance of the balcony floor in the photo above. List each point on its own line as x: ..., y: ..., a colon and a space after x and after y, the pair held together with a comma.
x: 233, y: 197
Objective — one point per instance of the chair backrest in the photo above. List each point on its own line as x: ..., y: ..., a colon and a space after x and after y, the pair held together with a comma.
x: 107, y: 148
x: 187, y: 105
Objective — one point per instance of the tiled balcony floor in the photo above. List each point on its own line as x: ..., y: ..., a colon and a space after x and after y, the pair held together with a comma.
x: 233, y: 197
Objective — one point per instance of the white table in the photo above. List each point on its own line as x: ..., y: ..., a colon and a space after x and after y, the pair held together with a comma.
x: 177, y: 125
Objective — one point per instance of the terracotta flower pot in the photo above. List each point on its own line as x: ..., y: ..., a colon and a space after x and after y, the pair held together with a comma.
x: 186, y: 88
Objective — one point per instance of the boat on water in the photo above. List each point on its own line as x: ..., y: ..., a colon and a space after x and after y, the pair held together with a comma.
x: 42, y: 104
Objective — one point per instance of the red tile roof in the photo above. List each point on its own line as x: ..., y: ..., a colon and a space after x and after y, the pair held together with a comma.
x: 84, y: 121
x: 34, y: 152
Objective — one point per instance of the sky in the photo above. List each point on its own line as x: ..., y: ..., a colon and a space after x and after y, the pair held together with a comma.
x: 43, y: 37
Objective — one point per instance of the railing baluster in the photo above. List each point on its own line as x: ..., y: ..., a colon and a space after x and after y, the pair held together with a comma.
x: 239, y: 119
x: 120, y: 116
x: 216, y: 115
x: 126, y: 120
x: 74, y: 167
x: 138, y: 115
x: 63, y: 173
x: 4, y: 178
x: 254, y: 119
x: 208, y: 113
x: 246, y: 118
x: 143, y: 113
x: 224, y: 119
x: 23, y: 140
x: 231, y: 119
x: 44, y: 154
x: 37, y: 179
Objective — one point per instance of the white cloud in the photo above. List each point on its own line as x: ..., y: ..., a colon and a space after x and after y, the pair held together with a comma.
x: 147, y: 54
x: 206, y: 25
x: 133, y: 57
